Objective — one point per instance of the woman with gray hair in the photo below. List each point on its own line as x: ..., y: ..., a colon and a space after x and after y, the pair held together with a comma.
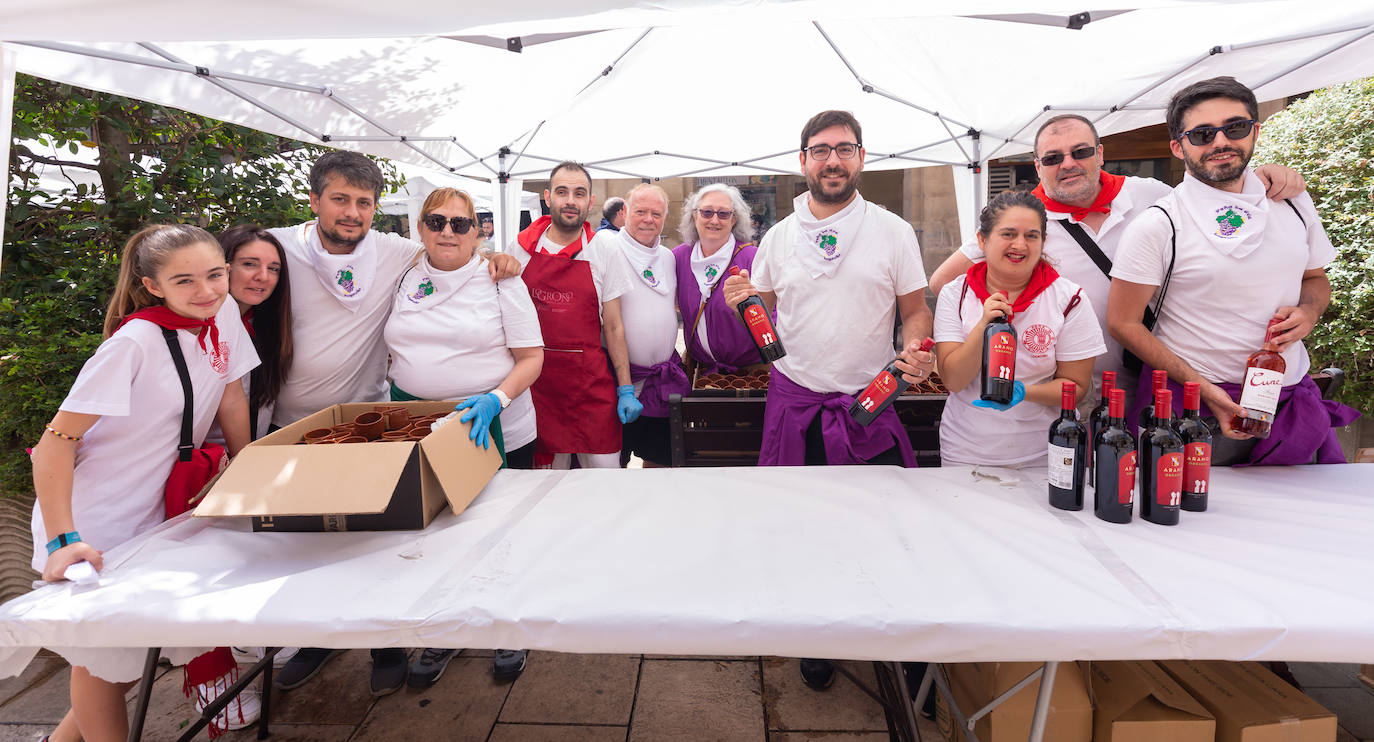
x: 715, y: 227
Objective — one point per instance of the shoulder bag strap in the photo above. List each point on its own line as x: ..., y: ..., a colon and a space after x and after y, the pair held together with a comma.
x: 1151, y: 317
x: 1289, y: 201
x: 188, y: 411
x: 1089, y: 246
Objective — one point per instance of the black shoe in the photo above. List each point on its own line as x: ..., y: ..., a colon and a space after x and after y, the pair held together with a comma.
x: 303, y: 666
x: 818, y: 674
x: 429, y: 667
x: 509, y: 663
x: 389, y: 669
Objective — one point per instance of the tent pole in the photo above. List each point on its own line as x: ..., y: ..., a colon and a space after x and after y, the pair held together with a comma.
x: 977, y: 166
x: 7, y: 60
x: 501, y: 217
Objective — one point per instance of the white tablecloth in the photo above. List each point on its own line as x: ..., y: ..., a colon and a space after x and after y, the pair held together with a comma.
x: 855, y: 562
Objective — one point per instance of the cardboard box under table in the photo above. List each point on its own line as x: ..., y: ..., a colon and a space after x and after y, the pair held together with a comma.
x: 976, y: 685
x: 375, y: 486
x: 1136, y: 701
x: 1252, y: 704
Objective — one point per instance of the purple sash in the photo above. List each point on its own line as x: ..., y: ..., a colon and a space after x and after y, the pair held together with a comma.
x: 731, y: 345
x: 1303, y: 427
x: 660, y: 380
x: 790, y: 409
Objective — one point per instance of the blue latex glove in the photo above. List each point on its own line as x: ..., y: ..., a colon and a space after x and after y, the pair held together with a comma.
x: 1018, y: 393
x: 626, y: 406
x: 483, y: 408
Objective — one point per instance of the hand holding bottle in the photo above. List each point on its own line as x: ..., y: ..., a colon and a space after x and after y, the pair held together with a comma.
x: 737, y: 288
x: 1294, y: 324
x: 1224, y: 408
x: 916, y: 361
x: 1018, y: 393
x: 996, y: 306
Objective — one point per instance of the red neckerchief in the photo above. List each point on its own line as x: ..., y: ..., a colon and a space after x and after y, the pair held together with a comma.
x: 1042, y: 276
x: 1111, y: 187
x: 248, y: 323
x: 161, y: 316
x: 529, y: 238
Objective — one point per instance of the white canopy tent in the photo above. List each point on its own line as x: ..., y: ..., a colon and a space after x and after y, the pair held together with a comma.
x: 420, y: 182
x: 929, y: 87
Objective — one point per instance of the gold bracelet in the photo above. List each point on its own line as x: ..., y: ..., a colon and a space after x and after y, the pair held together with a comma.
x: 63, y: 436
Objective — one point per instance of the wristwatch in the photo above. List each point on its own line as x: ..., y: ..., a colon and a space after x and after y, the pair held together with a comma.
x: 502, y: 398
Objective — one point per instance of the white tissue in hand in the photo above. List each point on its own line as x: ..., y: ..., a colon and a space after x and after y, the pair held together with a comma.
x: 82, y: 573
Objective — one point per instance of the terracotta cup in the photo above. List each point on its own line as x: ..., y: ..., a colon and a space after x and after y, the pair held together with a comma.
x: 352, y: 439
x: 397, y: 418
x: 317, y: 435
x: 420, y: 429
x: 370, y: 425
x: 395, y: 435
x: 344, y: 428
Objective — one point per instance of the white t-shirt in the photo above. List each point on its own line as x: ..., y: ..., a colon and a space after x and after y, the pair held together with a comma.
x: 460, y: 346
x: 650, y: 317
x: 609, y: 274
x: 1068, y: 258
x: 216, y: 435
x: 974, y: 435
x: 837, y: 330
x: 123, y: 460
x: 1218, y: 306
x: 339, y: 354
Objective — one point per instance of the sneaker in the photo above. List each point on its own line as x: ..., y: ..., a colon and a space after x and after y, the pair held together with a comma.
x: 389, y: 669
x: 429, y: 667
x: 253, y: 655
x: 303, y: 666
x: 818, y: 674
x: 241, y: 713
x: 508, y: 663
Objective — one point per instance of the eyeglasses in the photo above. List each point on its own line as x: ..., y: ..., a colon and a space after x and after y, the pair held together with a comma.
x: 1205, y: 134
x: 821, y: 152
x: 1054, y: 158
x: 724, y: 214
x: 436, y: 222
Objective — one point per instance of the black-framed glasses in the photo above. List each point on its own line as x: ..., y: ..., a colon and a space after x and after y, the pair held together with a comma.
x: 821, y: 152
x: 1054, y: 158
x: 724, y: 214
x: 1201, y: 135
x: 435, y: 223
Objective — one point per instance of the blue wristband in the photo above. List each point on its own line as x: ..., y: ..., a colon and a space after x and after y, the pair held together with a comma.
x: 63, y: 539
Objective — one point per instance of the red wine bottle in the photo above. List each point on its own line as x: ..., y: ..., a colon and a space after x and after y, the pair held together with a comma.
x: 755, y: 316
x: 1159, y: 379
x: 999, y: 360
x: 1161, y: 465
x: 1197, y: 449
x: 882, y: 391
x: 1114, y: 486
x: 1097, y: 419
x: 1068, y: 452
x: 1259, y: 392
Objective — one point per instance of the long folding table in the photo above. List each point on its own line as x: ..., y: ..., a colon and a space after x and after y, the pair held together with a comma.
x: 877, y: 563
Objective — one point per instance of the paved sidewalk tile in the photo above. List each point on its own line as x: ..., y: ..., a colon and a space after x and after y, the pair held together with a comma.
x: 45, y: 702
x: 560, y: 688
x: 38, y: 670
x: 1353, y: 707
x: 338, y: 694
x: 554, y: 733
x: 23, y: 732
x: 837, y: 737
x: 843, y: 706
x: 1326, y: 674
x: 695, y: 700
x: 462, y: 706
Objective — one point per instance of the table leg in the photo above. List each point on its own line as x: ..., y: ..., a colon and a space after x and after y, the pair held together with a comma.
x: 1042, y: 702
x: 145, y: 694
x: 909, y: 710
x: 943, y: 687
x: 213, y: 708
x: 266, y: 695
x: 927, y: 684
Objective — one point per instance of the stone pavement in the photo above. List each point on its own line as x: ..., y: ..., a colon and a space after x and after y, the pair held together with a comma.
x: 575, y: 698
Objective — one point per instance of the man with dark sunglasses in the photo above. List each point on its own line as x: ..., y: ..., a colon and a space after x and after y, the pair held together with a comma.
x: 1089, y: 210
x: 1245, y: 272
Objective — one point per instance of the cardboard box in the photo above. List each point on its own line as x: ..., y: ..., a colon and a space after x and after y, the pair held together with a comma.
x: 1136, y: 701
x: 1252, y: 704
x: 378, y: 486
x: 975, y: 684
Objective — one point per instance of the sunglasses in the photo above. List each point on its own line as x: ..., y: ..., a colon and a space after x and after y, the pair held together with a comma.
x: 436, y: 222
x: 724, y: 214
x: 1205, y: 134
x: 1082, y: 153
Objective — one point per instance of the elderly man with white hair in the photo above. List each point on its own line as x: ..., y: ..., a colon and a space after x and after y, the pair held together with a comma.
x: 715, y: 228
x: 650, y: 317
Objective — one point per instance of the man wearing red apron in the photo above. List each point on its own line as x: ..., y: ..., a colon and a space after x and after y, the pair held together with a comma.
x: 580, y: 400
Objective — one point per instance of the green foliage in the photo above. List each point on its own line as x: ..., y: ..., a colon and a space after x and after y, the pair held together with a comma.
x: 152, y: 165
x: 1329, y: 138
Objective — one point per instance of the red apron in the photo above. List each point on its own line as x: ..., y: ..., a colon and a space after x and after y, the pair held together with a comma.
x: 574, y: 396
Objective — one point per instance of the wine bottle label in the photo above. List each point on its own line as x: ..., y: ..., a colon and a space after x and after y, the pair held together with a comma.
x: 1261, y: 389
x: 1061, y: 467
x: 1125, y: 488
x: 1002, y: 356
x: 884, y: 386
x: 1169, y: 479
x: 1197, y: 467
x: 759, y: 325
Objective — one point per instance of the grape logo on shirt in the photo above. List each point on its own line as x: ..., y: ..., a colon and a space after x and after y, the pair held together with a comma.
x: 829, y: 242
x: 552, y: 297
x: 1038, y: 339
x: 219, y: 360
x: 650, y: 278
x: 711, y: 274
x: 345, y: 280
x: 425, y: 288
x: 1230, y: 219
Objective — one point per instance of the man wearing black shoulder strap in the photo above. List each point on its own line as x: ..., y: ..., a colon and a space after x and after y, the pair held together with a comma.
x: 1089, y: 210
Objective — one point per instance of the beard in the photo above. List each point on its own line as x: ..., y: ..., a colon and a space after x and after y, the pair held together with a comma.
x: 1219, y: 175
x: 845, y: 192
x: 562, y: 221
x: 338, y: 239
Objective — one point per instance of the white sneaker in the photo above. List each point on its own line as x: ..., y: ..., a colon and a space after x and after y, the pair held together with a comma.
x: 241, y: 713
x: 252, y: 655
